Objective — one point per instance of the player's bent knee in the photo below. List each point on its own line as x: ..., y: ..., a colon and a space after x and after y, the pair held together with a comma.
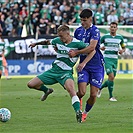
x: 29, y: 84
x: 93, y: 95
x: 111, y: 77
x: 82, y: 93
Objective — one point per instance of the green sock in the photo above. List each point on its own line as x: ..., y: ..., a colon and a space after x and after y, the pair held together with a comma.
x: 110, y: 88
x: 76, y: 106
x: 43, y: 88
x: 105, y: 84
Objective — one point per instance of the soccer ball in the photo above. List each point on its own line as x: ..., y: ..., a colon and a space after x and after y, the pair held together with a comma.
x: 5, y: 114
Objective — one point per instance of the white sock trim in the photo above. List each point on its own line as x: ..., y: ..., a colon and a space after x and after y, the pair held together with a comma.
x: 75, y: 99
x: 85, y: 112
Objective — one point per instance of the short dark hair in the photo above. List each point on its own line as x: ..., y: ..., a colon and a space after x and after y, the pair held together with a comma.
x: 114, y: 23
x: 86, y: 13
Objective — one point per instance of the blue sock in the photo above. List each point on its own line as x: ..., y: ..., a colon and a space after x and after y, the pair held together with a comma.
x: 88, y: 107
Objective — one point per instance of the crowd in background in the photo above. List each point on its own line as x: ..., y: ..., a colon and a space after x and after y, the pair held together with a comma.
x: 47, y: 15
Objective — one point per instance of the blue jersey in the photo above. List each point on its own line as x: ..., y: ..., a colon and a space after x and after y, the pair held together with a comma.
x: 93, y: 32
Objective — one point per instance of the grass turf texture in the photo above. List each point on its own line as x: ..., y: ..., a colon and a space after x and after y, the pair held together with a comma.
x: 56, y: 115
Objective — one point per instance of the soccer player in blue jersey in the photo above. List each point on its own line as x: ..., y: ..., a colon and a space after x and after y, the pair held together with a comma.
x: 93, y: 72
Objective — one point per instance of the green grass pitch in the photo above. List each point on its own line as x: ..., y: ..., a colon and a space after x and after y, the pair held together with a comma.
x: 56, y: 115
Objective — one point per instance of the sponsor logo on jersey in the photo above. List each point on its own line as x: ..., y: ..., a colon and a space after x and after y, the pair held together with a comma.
x: 80, y: 76
x: 79, y: 34
x: 97, y: 82
x: 97, y: 30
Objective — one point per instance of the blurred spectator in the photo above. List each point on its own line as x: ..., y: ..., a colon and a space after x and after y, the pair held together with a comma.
x: 52, y: 14
x: 130, y: 21
x: 124, y: 3
x: 76, y: 18
x: 16, y: 8
x: 121, y: 10
x: 65, y: 19
x: 78, y: 5
x: 23, y: 13
x: 3, y: 25
x: 131, y: 10
x: 86, y: 5
x: 109, y: 10
x: 99, y: 17
x: 126, y: 14
x: 5, y: 10
x: 102, y: 6
x: 57, y: 4
x: 112, y: 17
x: 121, y: 21
x: 113, y: 4
x: 44, y: 10
x: 57, y: 19
x: 50, y: 6
x: 35, y: 19
x: 33, y: 5
x: 62, y: 7
x: 68, y: 10
x: 107, y: 4
x: 44, y: 25
x: 15, y: 23
x: 21, y: 3
x: 9, y: 24
x: 93, y: 6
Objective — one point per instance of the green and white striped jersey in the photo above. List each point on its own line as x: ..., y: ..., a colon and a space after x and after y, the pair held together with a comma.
x: 112, y: 45
x: 63, y: 60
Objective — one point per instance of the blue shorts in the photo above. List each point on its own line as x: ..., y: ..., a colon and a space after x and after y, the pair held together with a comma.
x: 93, y: 78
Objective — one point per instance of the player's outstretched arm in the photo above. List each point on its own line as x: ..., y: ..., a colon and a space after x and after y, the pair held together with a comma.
x: 87, y: 59
x: 46, y: 42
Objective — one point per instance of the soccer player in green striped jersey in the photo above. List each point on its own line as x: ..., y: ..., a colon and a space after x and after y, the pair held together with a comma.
x: 2, y: 47
x: 112, y: 45
x: 62, y: 68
